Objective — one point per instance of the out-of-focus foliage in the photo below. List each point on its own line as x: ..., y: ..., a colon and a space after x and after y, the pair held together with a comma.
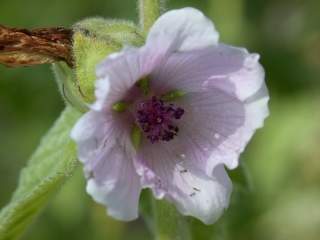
x: 52, y: 164
x: 280, y: 198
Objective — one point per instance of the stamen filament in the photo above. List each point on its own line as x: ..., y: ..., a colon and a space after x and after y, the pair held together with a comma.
x: 120, y: 106
x: 136, y: 136
x: 173, y: 95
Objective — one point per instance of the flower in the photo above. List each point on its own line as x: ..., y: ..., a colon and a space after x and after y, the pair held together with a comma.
x: 170, y: 116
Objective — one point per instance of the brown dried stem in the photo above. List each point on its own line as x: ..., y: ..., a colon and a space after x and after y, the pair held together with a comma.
x: 22, y: 47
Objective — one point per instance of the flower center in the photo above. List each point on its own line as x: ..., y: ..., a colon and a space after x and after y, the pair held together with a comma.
x: 156, y: 118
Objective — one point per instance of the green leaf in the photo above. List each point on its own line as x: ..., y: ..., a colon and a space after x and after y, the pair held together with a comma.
x: 53, y: 162
x: 93, y: 40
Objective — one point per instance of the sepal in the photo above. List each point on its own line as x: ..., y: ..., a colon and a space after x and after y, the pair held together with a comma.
x: 93, y: 40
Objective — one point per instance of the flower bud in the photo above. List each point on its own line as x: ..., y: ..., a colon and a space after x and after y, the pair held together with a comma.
x: 93, y: 40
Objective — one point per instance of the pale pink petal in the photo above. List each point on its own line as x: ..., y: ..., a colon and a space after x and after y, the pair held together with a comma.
x: 118, y: 74
x: 106, y: 151
x: 183, y: 30
x: 190, y: 189
x: 200, y: 196
x: 88, y: 132
x: 115, y: 184
x: 211, y: 118
x: 217, y: 127
x: 148, y: 177
x: 226, y: 101
x: 231, y: 69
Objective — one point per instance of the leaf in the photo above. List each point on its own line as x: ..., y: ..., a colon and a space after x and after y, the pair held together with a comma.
x: 53, y: 162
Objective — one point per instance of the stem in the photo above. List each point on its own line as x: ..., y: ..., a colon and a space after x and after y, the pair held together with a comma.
x: 149, y: 12
x: 169, y: 224
x: 146, y: 209
x: 22, y: 47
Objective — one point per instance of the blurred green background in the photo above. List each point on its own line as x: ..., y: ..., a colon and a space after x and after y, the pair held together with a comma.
x: 281, y: 198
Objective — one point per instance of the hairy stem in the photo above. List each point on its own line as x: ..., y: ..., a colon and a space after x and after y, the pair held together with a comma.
x: 22, y: 47
x: 149, y: 11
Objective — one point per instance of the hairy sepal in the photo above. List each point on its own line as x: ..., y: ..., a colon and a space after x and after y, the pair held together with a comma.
x: 94, y: 39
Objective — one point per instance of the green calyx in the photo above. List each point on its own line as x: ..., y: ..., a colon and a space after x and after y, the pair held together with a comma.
x: 173, y: 95
x: 68, y: 86
x: 96, y: 38
x: 93, y: 40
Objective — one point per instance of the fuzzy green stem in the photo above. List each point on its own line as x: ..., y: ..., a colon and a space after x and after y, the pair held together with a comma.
x: 149, y: 11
